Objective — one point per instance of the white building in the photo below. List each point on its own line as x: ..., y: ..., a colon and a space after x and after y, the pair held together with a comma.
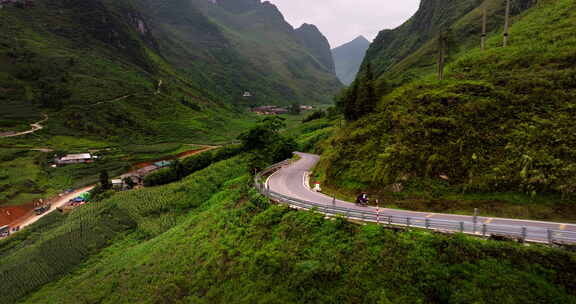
x: 75, y: 159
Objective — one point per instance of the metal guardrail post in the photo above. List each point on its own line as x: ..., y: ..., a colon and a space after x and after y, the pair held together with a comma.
x: 484, y: 229
x: 550, y: 236
x: 389, y: 220
x: 461, y: 227
x: 524, y: 234
x: 475, y: 219
x: 408, y: 220
x: 427, y: 223
x: 334, y: 200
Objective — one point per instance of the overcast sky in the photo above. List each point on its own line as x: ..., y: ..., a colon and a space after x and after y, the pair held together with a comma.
x: 343, y: 20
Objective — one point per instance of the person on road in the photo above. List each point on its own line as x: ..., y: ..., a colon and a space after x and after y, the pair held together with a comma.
x: 362, y: 199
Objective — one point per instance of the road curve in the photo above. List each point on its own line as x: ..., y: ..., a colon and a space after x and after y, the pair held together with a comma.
x: 33, y: 128
x: 291, y: 181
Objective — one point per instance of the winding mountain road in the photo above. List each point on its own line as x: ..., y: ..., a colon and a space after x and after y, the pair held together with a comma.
x: 292, y: 181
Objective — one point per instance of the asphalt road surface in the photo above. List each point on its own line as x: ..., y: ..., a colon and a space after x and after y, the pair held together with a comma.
x: 292, y: 181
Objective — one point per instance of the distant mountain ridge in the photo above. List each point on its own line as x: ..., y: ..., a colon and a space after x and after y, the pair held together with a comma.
x: 348, y: 58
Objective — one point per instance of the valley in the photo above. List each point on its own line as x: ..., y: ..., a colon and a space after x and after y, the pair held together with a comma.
x: 211, y: 151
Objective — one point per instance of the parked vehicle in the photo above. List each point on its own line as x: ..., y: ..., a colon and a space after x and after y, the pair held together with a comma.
x: 4, y: 231
x: 42, y: 209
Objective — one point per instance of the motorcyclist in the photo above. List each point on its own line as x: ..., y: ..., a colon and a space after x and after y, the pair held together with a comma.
x: 362, y: 199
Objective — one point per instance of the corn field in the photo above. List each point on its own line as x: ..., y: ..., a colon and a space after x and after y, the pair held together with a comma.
x: 93, y: 227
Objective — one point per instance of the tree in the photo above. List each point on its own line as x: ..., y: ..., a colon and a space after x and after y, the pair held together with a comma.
x: 349, y: 105
x: 129, y: 182
x: 265, y: 145
x: 179, y: 169
x: 367, y: 100
x: 264, y: 133
x: 105, y: 180
x: 295, y: 109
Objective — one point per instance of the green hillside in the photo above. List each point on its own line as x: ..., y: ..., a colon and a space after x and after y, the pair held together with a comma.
x: 496, y: 135
x: 212, y: 239
x: 110, y: 75
x: 409, y: 51
x: 278, y: 63
x: 96, y: 66
x: 95, y: 69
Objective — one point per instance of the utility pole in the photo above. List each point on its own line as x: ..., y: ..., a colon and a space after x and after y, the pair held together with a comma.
x: 441, y: 55
x: 484, y: 28
x: 507, y: 23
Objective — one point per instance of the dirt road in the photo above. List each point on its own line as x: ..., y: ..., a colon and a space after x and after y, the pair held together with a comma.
x: 60, y: 202
x: 34, y: 127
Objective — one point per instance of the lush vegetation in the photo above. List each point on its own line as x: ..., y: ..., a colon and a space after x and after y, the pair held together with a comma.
x: 180, y: 169
x: 410, y: 51
x: 238, y: 248
x: 58, y: 244
x: 265, y: 144
x: 157, y: 75
x: 211, y: 238
x: 498, y: 129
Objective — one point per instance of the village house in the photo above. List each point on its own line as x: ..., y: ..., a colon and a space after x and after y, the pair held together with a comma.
x: 118, y: 184
x: 75, y: 159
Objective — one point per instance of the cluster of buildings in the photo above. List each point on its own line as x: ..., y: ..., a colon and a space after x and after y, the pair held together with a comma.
x: 138, y: 176
x: 17, y: 3
x: 276, y: 110
x: 270, y: 110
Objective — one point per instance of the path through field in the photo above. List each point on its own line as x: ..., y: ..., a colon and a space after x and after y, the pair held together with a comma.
x: 34, y: 127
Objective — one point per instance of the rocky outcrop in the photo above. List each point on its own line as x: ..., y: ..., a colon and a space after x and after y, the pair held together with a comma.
x: 311, y: 37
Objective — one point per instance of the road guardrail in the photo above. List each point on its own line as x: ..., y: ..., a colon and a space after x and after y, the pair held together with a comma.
x: 522, y: 234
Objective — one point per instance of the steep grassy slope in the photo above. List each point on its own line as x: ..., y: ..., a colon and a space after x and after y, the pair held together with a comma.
x: 500, y: 123
x: 166, y: 68
x: 120, y: 73
x: 409, y: 51
x: 59, y: 244
x: 95, y: 69
x: 257, y: 51
x: 211, y: 239
x: 237, y: 248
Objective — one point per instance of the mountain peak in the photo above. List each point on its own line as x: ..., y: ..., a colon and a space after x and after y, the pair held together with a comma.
x: 313, y: 39
x: 361, y: 38
x: 348, y: 58
x: 308, y: 26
